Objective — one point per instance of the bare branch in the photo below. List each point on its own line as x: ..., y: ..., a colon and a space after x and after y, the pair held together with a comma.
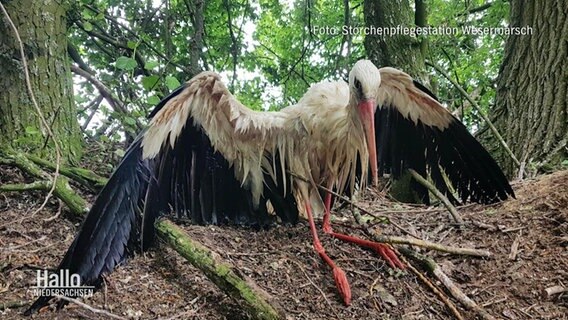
x: 438, y: 194
x: 111, y: 98
x: 433, y: 267
x: 134, y: 34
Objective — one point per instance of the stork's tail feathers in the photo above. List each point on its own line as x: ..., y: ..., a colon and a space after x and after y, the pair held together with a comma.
x: 111, y: 230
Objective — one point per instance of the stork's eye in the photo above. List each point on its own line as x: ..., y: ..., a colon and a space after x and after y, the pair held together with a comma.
x: 357, y: 85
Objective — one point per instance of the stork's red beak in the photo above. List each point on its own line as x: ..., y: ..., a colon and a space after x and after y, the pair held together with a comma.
x: 366, y: 110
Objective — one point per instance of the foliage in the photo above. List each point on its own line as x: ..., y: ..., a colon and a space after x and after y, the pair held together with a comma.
x: 268, y: 52
x: 472, y: 60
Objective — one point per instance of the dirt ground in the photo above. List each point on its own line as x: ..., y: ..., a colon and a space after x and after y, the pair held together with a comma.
x: 528, y: 237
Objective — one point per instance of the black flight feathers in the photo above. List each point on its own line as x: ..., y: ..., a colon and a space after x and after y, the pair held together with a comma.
x: 452, y: 153
x: 112, y: 227
x: 191, y: 179
x: 194, y: 180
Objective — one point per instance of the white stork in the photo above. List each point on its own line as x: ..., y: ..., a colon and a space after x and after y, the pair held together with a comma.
x: 208, y: 157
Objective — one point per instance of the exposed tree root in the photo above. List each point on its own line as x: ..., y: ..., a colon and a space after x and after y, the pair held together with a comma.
x: 220, y: 272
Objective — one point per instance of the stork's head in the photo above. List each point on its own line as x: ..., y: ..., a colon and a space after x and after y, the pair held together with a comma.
x: 364, y: 82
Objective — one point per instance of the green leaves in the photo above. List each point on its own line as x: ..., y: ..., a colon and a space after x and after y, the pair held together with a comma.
x: 32, y: 131
x: 88, y: 26
x: 125, y: 63
x: 130, y: 121
x: 153, y: 100
x: 150, y: 65
x: 132, y: 44
x: 150, y: 82
x: 172, y: 82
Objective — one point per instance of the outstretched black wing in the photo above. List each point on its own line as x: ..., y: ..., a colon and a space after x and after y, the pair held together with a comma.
x: 174, y: 167
x: 414, y: 131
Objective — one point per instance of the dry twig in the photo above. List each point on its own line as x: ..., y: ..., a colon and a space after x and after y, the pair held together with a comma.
x: 515, y: 247
x: 314, y: 285
x: 555, y: 290
x: 92, y: 309
x: 435, y: 289
x: 438, y: 194
x: 419, y: 242
x: 456, y: 292
x: 430, y: 245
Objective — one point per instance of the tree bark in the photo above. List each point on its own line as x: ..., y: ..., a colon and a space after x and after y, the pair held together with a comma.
x: 42, y: 27
x: 532, y: 87
x: 398, y: 51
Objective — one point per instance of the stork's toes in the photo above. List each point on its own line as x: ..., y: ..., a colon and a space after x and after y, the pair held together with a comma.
x: 342, y: 285
x: 389, y: 255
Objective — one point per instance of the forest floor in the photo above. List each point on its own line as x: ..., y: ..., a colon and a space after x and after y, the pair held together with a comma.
x: 528, y: 237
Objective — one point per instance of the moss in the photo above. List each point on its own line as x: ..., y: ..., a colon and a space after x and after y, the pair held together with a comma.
x: 63, y: 191
x: 219, y: 272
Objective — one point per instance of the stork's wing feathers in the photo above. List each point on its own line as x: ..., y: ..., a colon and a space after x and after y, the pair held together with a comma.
x: 201, y: 157
x: 110, y: 232
x: 210, y: 149
x: 413, y: 130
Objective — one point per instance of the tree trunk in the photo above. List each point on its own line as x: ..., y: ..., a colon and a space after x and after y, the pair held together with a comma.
x: 42, y: 27
x: 398, y: 51
x: 532, y: 87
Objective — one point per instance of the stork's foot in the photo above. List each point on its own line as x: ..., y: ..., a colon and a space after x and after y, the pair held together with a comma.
x: 389, y: 255
x: 384, y: 250
x: 342, y: 285
x: 338, y: 275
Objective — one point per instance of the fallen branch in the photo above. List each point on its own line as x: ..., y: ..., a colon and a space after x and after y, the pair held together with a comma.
x: 88, y: 307
x: 555, y: 290
x: 61, y: 189
x: 218, y: 271
x: 13, y: 304
x: 83, y: 176
x: 416, y: 241
x: 435, y: 289
x: 76, y: 204
x: 430, y: 245
x: 438, y: 194
x: 430, y: 265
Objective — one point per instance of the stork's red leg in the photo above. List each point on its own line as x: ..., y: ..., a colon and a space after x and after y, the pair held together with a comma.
x: 339, y: 275
x: 382, y: 249
x: 326, y: 216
